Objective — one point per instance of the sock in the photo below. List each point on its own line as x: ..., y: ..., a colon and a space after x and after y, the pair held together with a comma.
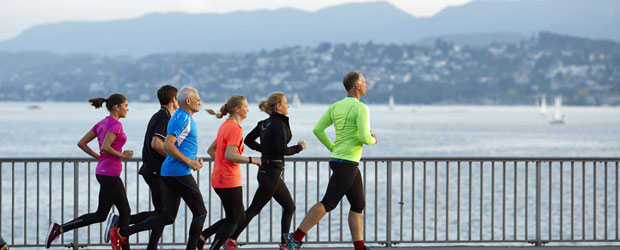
x: 359, y: 245
x: 299, y: 235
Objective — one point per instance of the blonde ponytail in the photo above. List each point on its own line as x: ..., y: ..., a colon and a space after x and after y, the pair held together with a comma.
x: 232, y: 103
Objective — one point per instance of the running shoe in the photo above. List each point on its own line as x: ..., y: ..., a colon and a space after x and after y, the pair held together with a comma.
x: 283, y: 247
x: 201, y: 243
x: 52, y: 234
x: 366, y: 248
x: 112, y: 222
x: 116, y: 239
x: 230, y: 244
x: 291, y: 242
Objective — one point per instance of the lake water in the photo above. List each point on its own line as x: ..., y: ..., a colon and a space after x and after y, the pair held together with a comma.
x: 406, y: 131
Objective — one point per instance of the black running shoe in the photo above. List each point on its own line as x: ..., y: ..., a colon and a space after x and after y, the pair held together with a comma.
x: 366, y: 248
x: 52, y: 234
x: 201, y: 243
x: 112, y: 223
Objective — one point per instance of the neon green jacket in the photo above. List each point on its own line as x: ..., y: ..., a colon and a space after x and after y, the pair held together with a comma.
x: 351, y: 121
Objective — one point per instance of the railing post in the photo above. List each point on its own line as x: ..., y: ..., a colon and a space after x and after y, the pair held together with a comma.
x: 538, y: 201
x: 76, y: 196
x: 388, y: 230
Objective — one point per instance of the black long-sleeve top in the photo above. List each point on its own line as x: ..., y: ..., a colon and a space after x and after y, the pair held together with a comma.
x: 275, y: 134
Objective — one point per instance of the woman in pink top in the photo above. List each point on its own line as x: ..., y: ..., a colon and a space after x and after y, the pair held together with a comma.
x: 226, y: 151
x: 111, y: 138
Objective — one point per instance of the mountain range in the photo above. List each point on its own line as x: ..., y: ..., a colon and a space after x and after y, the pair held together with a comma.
x: 379, y: 22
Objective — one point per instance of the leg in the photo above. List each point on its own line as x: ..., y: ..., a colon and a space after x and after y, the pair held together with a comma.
x: 283, y: 197
x: 193, y: 198
x: 122, y: 204
x: 171, y: 206
x: 156, y: 184
x: 106, y: 200
x: 268, y: 180
x: 355, y: 195
x: 339, y: 183
x: 232, y: 200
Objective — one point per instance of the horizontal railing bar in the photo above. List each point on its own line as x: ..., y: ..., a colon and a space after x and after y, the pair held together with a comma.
x: 291, y: 159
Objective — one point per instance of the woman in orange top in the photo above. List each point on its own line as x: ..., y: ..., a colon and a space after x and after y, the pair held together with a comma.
x: 226, y: 177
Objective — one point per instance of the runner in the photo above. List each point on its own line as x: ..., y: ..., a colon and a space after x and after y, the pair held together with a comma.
x: 275, y: 134
x: 181, y: 145
x: 350, y: 119
x: 226, y: 151
x: 153, y: 155
x: 111, y: 138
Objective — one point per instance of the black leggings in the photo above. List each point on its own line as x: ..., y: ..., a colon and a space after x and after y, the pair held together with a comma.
x: 111, y: 192
x: 177, y: 187
x: 232, y: 200
x: 270, y: 186
x: 345, y: 180
x: 157, y: 186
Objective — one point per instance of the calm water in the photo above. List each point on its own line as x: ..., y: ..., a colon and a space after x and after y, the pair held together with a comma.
x: 408, y: 131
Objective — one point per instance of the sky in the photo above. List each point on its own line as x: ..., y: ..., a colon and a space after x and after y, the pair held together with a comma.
x: 19, y: 15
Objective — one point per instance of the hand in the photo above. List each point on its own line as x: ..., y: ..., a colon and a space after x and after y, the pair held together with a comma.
x: 302, y: 144
x: 257, y: 161
x: 374, y: 136
x: 195, y: 164
x: 127, y: 154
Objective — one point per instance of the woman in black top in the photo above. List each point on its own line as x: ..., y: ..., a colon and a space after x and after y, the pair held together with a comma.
x: 274, y: 133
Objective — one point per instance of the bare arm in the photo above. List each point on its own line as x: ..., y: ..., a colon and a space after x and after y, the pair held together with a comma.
x: 232, y: 155
x: 211, y: 150
x: 106, y: 146
x: 83, y: 144
x: 173, y: 151
x: 158, y: 145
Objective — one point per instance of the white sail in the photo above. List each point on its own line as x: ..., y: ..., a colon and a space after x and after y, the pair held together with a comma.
x: 558, y: 117
x: 543, y: 105
x: 391, y: 102
x: 296, y: 101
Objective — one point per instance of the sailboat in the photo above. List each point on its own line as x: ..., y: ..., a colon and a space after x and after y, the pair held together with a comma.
x: 296, y: 101
x: 391, y: 102
x: 558, y: 117
x: 543, y: 105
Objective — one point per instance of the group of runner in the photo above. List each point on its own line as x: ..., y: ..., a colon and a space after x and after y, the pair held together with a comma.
x: 169, y: 156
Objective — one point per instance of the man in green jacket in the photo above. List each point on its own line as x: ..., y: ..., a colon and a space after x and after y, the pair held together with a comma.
x: 350, y: 119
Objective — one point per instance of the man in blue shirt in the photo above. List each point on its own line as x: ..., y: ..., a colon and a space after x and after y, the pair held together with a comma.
x: 181, y: 145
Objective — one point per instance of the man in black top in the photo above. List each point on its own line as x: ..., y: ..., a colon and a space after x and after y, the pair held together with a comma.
x: 153, y: 155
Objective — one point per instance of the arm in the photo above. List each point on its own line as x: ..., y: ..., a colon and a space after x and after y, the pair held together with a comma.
x: 106, y: 146
x: 232, y: 155
x: 158, y: 145
x: 321, y: 125
x: 282, y: 148
x: 363, y: 126
x: 250, y: 139
x: 173, y: 151
x: 211, y: 150
x: 83, y: 144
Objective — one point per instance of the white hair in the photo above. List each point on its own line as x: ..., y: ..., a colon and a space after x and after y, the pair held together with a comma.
x: 186, y: 93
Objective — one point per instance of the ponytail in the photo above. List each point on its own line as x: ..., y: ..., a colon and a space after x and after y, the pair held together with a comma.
x: 232, y: 103
x: 97, y: 102
x: 114, y: 99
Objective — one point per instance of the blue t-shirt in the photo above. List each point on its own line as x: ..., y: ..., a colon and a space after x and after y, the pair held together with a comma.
x: 181, y: 125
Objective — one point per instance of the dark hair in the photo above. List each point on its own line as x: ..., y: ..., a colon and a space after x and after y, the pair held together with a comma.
x: 268, y: 105
x: 114, y: 99
x: 232, y: 102
x: 350, y: 79
x: 166, y: 93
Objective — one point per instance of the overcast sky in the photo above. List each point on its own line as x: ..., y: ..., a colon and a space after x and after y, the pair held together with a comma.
x: 18, y: 15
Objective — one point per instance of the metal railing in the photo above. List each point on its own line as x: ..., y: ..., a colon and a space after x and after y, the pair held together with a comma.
x: 408, y: 201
